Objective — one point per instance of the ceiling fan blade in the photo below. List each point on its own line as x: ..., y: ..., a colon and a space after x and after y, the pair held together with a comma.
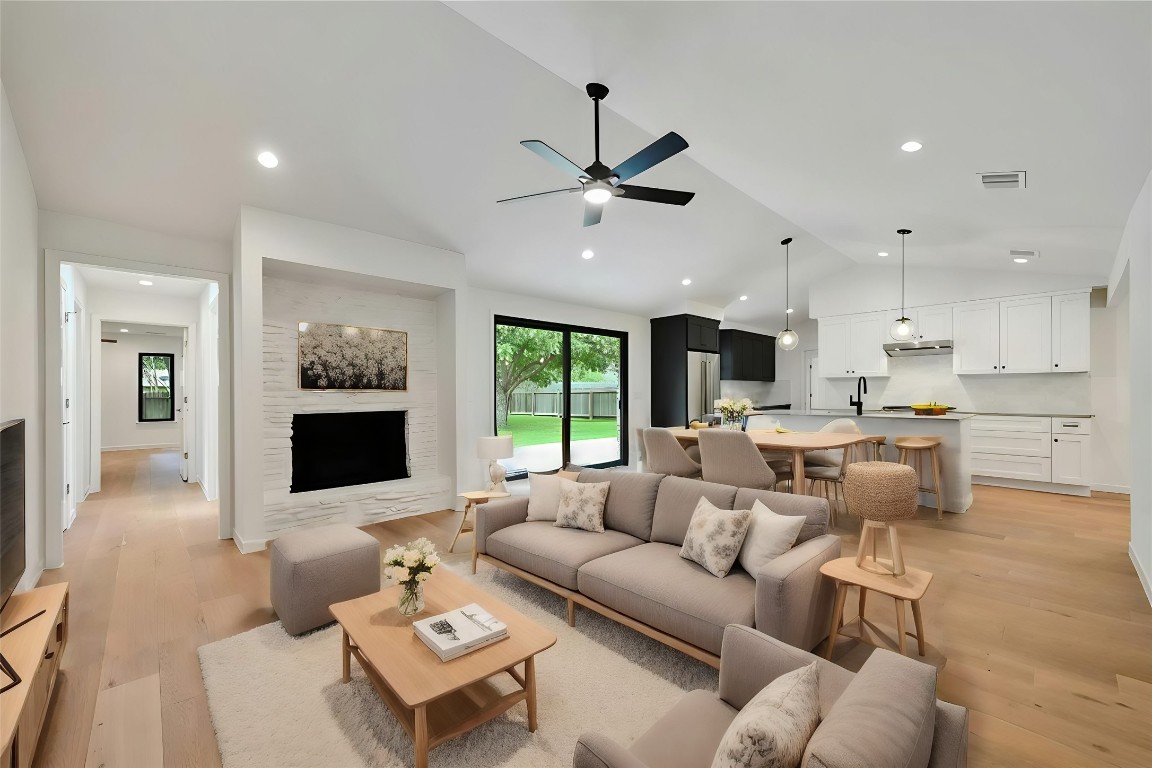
x: 656, y: 152
x: 540, y: 194
x: 653, y: 195
x: 555, y: 158
x: 592, y: 213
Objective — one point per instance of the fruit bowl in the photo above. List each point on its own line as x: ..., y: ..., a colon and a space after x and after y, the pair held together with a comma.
x: 931, y: 409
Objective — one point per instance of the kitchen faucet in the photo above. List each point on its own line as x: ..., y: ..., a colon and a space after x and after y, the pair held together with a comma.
x: 859, y: 401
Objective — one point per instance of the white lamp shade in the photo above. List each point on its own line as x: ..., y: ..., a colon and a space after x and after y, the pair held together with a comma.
x: 494, y: 448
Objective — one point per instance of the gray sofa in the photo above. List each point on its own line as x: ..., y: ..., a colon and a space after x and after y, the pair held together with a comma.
x: 633, y: 572
x: 891, y: 718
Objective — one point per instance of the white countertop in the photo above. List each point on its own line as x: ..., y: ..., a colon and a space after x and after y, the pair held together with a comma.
x: 851, y: 413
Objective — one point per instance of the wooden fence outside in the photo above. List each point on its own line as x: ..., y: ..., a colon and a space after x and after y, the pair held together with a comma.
x: 586, y: 404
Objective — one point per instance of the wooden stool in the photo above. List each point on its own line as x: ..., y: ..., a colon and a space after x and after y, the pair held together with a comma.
x: 907, y: 588
x: 471, y: 500
x: 880, y: 493
x: 913, y: 448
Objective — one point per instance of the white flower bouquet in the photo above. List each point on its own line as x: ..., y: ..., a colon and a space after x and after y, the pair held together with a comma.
x: 733, y: 410
x: 410, y: 566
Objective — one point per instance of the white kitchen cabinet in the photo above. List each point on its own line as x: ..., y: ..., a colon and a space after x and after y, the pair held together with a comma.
x: 852, y: 345
x: 1071, y: 458
x: 1035, y: 468
x: 1071, y: 342
x: 976, y: 337
x: 934, y: 323
x: 1026, y: 335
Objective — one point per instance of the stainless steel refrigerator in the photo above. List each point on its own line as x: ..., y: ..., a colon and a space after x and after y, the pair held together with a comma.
x: 703, y: 383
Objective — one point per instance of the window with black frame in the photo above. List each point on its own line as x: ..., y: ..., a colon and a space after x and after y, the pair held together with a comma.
x: 155, y: 388
x: 560, y: 394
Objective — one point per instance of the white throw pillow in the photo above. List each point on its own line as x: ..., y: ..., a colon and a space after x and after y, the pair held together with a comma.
x: 714, y: 536
x: 582, y: 505
x: 544, y: 494
x: 769, y: 536
x: 774, y: 727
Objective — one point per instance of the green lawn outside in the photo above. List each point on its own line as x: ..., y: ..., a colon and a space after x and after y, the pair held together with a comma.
x: 540, y: 430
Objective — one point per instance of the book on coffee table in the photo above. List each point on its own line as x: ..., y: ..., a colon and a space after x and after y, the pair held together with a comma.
x: 455, y: 633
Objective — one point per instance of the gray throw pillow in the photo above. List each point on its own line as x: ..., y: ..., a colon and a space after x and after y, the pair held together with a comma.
x: 773, y: 728
x: 714, y: 536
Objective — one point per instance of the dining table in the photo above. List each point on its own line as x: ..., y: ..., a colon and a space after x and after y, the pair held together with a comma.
x: 796, y: 443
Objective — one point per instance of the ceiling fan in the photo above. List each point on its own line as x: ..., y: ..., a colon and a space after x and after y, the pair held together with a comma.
x: 600, y: 183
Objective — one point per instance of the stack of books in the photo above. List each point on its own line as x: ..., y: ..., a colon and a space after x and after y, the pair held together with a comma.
x: 455, y: 633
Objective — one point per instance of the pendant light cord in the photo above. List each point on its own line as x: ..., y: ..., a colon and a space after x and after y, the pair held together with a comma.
x: 787, y: 289
x: 902, y: 312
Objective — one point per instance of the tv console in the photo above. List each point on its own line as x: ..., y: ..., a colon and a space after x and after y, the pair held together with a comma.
x: 34, y: 651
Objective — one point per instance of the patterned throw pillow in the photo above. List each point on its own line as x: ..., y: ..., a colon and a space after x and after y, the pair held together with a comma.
x: 774, y: 727
x: 582, y: 505
x: 714, y: 536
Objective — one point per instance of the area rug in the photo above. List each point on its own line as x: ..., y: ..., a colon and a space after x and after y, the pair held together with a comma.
x: 277, y: 700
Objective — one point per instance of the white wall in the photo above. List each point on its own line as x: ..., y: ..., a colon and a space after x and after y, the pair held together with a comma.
x: 1135, y: 257
x: 286, y: 305
x: 477, y: 342
x: 21, y: 334
x: 1110, y: 383
x: 119, y: 427
x: 871, y: 288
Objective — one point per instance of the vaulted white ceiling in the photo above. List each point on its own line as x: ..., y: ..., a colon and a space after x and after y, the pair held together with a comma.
x: 405, y: 118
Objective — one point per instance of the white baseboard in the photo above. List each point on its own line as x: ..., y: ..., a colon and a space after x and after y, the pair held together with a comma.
x: 30, y: 578
x: 138, y: 447
x: 1124, y: 489
x: 1145, y: 578
x: 248, y: 546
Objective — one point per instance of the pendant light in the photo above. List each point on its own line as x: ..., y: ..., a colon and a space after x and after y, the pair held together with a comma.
x: 787, y: 339
x: 902, y: 329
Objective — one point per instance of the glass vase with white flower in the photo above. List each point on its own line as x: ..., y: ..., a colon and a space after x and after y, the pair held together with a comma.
x: 733, y: 411
x: 410, y: 566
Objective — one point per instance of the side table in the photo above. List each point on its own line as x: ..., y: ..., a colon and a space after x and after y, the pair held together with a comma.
x: 471, y: 500
x: 907, y: 588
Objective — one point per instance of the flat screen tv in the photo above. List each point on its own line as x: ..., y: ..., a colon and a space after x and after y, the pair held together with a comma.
x: 11, y: 507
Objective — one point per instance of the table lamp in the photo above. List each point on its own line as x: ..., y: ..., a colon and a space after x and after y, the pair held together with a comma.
x: 493, y: 448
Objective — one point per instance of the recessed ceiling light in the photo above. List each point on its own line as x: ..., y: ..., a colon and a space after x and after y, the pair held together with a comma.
x: 788, y: 311
x: 587, y: 254
x: 743, y: 298
x: 882, y: 253
x: 1022, y: 256
x: 1020, y: 260
x: 686, y: 281
x: 145, y: 282
x: 267, y: 159
x: 911, y: 146
x: 124, y: 330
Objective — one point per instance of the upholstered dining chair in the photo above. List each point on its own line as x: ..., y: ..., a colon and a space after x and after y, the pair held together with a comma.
x: 664, y: 454
x: 732, y: 458
x: 827, y: 467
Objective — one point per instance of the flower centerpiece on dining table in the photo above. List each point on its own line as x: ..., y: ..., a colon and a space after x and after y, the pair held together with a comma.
x: 410, y: 566
x: 733, y: 411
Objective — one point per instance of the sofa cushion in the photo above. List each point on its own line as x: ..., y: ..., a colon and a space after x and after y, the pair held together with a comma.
x: 554, y: 553
x: 814, y: 509
x: 773, y: 728
x: 687, y: 735
x: 886, y: 716
x: 582, y: 505
x: 653, y: 584
x: 544, y: 494
x: 769, y: 536
x: 631, y: 499
x: 714, y: 537
x: 676, y: 501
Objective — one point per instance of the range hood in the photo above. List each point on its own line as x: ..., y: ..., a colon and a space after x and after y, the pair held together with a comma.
x: 918, y: 348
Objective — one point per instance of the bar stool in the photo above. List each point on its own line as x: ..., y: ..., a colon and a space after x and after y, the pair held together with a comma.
x: 912, y: 453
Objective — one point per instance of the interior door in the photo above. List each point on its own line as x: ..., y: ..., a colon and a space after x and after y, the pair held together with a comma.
x: 183, y: 409
x: 67, y: 390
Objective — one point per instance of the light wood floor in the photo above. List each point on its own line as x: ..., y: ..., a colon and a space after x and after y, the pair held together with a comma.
x: 1046, y: 633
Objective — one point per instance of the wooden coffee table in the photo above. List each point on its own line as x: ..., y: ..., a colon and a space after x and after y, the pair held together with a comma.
x: 434, y: 700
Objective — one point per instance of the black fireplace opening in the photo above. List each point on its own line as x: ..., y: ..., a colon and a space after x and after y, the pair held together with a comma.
x: 333, y: 450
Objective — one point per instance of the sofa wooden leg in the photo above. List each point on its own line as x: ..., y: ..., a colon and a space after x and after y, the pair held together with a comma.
x: 571, y: 613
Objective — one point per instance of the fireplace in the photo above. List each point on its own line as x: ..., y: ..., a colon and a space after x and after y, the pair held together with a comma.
x: 334, y: 450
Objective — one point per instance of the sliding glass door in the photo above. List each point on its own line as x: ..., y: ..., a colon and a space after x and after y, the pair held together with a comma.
x: 560, y: 394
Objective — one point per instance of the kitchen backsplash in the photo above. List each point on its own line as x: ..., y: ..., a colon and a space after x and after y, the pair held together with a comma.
x: 924, y: 379
x: 759, y: 392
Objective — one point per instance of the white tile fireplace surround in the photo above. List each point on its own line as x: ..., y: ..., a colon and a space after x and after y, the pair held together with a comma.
x: 288, y: 303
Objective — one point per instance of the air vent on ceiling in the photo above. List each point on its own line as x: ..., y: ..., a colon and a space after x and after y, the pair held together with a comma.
x: 155, y: 333
x: 1005, y: 180
x: 1023, y: 257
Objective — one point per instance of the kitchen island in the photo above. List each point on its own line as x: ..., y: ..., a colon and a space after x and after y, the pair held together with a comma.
x: 952, y: 428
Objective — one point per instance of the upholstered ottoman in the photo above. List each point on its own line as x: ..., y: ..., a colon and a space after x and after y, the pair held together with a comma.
x: 315, y: 568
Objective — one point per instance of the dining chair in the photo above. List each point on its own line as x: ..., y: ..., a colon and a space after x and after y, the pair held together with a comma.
x: 827, y: 467
x: 664, y: 454
x: 732, y: 458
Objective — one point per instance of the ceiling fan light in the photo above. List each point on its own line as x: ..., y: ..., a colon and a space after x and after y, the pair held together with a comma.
x: 597, y: 193
x: 787, y: 339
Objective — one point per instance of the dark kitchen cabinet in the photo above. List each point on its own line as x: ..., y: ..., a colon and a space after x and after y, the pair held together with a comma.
x: 747, y: 356
x: 703, y: 334
x: 685, y: 368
